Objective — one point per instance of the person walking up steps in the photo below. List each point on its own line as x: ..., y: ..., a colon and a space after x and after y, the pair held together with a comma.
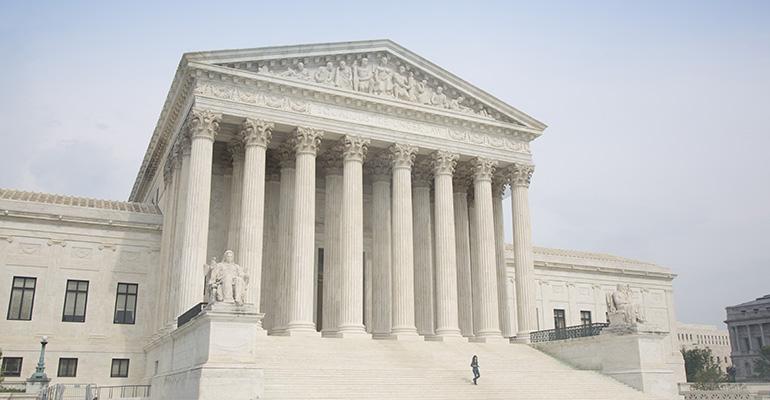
x: 475, y: 367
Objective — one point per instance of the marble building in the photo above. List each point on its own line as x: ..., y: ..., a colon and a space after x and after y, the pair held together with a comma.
x: 360, y: 189
x: 749, y: 327
x: 693, y: 336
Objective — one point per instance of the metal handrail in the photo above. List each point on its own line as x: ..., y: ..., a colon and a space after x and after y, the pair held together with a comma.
x: 570, y: 332
x: 122, y: 391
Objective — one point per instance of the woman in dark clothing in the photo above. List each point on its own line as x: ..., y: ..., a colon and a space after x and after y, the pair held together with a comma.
x: 475, y: 367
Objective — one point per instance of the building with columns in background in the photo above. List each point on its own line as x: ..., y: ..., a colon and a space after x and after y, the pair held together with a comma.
x: 361, y: 189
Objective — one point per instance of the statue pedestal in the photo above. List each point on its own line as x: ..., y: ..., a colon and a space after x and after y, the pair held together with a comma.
x: 640, y: 359
x: 210, y: 356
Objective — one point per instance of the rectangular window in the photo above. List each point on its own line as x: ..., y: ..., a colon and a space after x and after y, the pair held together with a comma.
x: 22, y: 298
x: 119, y: 368
x: 75, y: 301
x: 68, y: 367
x: 11, y: 366
x: 746, y: 345
x: 559, y: 321
x: 585, y: 317
x: 125, y: 303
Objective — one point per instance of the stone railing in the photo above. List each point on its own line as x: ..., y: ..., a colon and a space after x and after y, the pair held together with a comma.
x: 570, y: 332
x: 726, y: 391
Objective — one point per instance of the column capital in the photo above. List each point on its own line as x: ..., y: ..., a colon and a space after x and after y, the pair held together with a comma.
x: 256, y: 132
x: 461, y: 179
x: 483, y: 168
x: 203, y: 124
x: 183, y: 147
x: 444, y: 162
x: 168, y: 171
x: 422, y: 173
x: 331, y: 159
x: 235, y: 149
x: 307, y: 140
x: 378, y: 167
x: 521, y: 174
x: 272, y: 167
x: 286, y: 155
x: 499, y: 181
x: 402, y: 155
x: 354, y: 148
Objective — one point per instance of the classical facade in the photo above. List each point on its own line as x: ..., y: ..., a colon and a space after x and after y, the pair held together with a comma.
x: 692, y: 336
x: 337, y: 191
x: 749, y: 327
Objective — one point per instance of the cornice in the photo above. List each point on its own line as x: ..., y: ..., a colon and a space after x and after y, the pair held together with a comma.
x: 57, y: 218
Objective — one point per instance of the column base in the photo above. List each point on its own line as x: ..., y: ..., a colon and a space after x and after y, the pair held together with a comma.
x: 328, y: 333
x: 447, y: 338
x: 300, y: 329
x: 522, y: 338
x: 351, y: 335
x: 488, y: 339
x: 404, y: 337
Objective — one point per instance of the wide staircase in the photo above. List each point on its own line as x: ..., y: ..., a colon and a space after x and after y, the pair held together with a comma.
x: 315, y: 368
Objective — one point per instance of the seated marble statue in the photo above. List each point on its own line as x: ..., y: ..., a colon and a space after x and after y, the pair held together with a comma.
x: 621, y: 308
x: 227, y: 282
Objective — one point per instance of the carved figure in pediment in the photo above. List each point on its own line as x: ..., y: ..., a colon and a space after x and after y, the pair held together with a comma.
x: 413, y: 86
x: 263, y: 69
x: 363, y: 76
x: 484, y: 113
x: 325, y: 74
x: 300, y: 73
x: 439, y: 99
x: 344, y: 76
x: 228, y: 281
x: 425, y: 92
x: 457, y: 105
x: 383, y: 78
x: 401, y: 84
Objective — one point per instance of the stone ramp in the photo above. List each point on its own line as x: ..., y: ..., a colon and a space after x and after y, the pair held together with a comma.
x: 315, y: 368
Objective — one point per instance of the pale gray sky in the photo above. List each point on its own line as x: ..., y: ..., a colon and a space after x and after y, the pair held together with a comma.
x: 658, y: 112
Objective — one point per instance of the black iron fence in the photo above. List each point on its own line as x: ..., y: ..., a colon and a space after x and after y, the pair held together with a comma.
x: 570, y: 332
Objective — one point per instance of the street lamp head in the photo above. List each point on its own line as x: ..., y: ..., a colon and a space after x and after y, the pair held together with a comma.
x: 44, y: 340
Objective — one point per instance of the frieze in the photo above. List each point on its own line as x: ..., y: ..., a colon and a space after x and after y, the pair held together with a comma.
x: 249, y: 95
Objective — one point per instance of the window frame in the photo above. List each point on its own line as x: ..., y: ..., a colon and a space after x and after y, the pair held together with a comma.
x: 127, y: 293
x: 23, y: 288
x: 59, y: 368
x: 559, y: 313
x: 74, y: 317
x: 3, y: 370
x: 583, y: 314
x: 120, y: 363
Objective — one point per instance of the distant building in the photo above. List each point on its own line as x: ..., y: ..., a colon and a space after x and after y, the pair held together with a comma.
x: 749, y: 327
x: 692, y: 336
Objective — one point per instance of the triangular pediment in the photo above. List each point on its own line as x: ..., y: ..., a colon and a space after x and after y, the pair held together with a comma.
x: 379, y: 68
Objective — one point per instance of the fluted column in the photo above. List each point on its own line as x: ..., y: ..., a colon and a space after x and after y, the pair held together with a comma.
x: 503, y: 293
x: 331, y: 162
x: 256, y: 134
x: 446, y: 257
x: 236, y: 151
x: 423, y: 248
x: 460, y: 185
x: 174, y: 309
x: 271, y: 240
x: 488, y: 319
x: 170, y: 183
x: 521, y: 174
x: 402, y: 297
x: 203, y: 126
x: 351, y: 277
x: 287, y: 161
x: 301, y: 279
x: 379, y: 171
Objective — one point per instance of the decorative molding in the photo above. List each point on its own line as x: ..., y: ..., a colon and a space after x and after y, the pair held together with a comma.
x: 306, y: 140
x: 56, y: 242
x: 203, y: 124
x: 444, y: 162
x: 521, y: 174
x: 483, y: 168
x: 354, y: 148
x: 402, y: 155
x: 256, y: 132
x: 108, y: 246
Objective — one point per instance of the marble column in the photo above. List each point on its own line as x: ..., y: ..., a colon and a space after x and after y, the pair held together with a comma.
x: 503, y: 294
x: 351, y: 277
x: 331, y: 162
x: 403, y: 326
x: 460, y: 184
x: 446, y: 258
x: 166, y: 250
x: 472, y: 234
x: 521, y: 174
x: 256, y: 134
x: 203, y: 126
x: 379, y: 171
x: 270, y: 256
x: 236, y: 151
x: 423, y: 247
x: 488, y: 321
x: 183, y: 157
x: 287, y: 161
x: 302, y: 271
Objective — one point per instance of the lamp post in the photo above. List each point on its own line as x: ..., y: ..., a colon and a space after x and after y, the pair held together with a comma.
x: 38, y: 382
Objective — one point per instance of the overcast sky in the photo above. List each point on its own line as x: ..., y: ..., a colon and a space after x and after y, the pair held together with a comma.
x: 658, y: 112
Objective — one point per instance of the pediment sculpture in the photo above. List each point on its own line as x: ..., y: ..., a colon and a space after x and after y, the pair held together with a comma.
x: 622, y: 311
x: 226, y: 281
x: 380, y: 76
